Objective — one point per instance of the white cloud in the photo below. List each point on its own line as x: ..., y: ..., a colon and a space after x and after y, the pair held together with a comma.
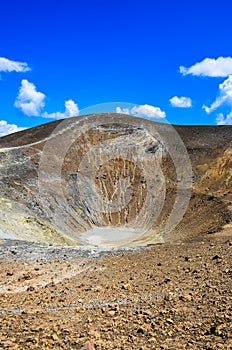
x: 29, y: 100
x: 71, y: 110
x: 143, y: 111
x: 181, y: 102
x: 225, y: 96
x: 6, y: 128
x: 210, y: 67
x: 221, y: 120
x: 148, y: 111
x: 7, y: 65
x: 122, y: 110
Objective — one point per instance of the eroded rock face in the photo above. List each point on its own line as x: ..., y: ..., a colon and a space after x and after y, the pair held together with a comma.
x: 113, y: 180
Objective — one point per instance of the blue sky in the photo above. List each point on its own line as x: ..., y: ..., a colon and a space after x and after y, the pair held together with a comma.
x: 170, y: 59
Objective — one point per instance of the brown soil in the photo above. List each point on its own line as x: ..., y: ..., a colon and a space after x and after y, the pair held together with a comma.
x: 163, y: 297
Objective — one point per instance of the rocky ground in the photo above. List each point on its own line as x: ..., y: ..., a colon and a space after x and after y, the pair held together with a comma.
x: 173, y: 295
x: 168, y: 296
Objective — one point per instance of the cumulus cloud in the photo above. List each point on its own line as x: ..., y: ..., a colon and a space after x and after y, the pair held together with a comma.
x: 225, y: 96
x: 143, y: 111
x: 7, y: 65
x: 224, y: 120
x: 32, y: 102
x: 122, y: 110
x: 210, y: 67
x: 148, y: 111
x: 71, y: 110
x: 29, y: 100
x: 181, y: 102
x: 6, y: 128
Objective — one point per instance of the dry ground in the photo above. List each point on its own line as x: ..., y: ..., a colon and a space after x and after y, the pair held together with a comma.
x: 165, y: 297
